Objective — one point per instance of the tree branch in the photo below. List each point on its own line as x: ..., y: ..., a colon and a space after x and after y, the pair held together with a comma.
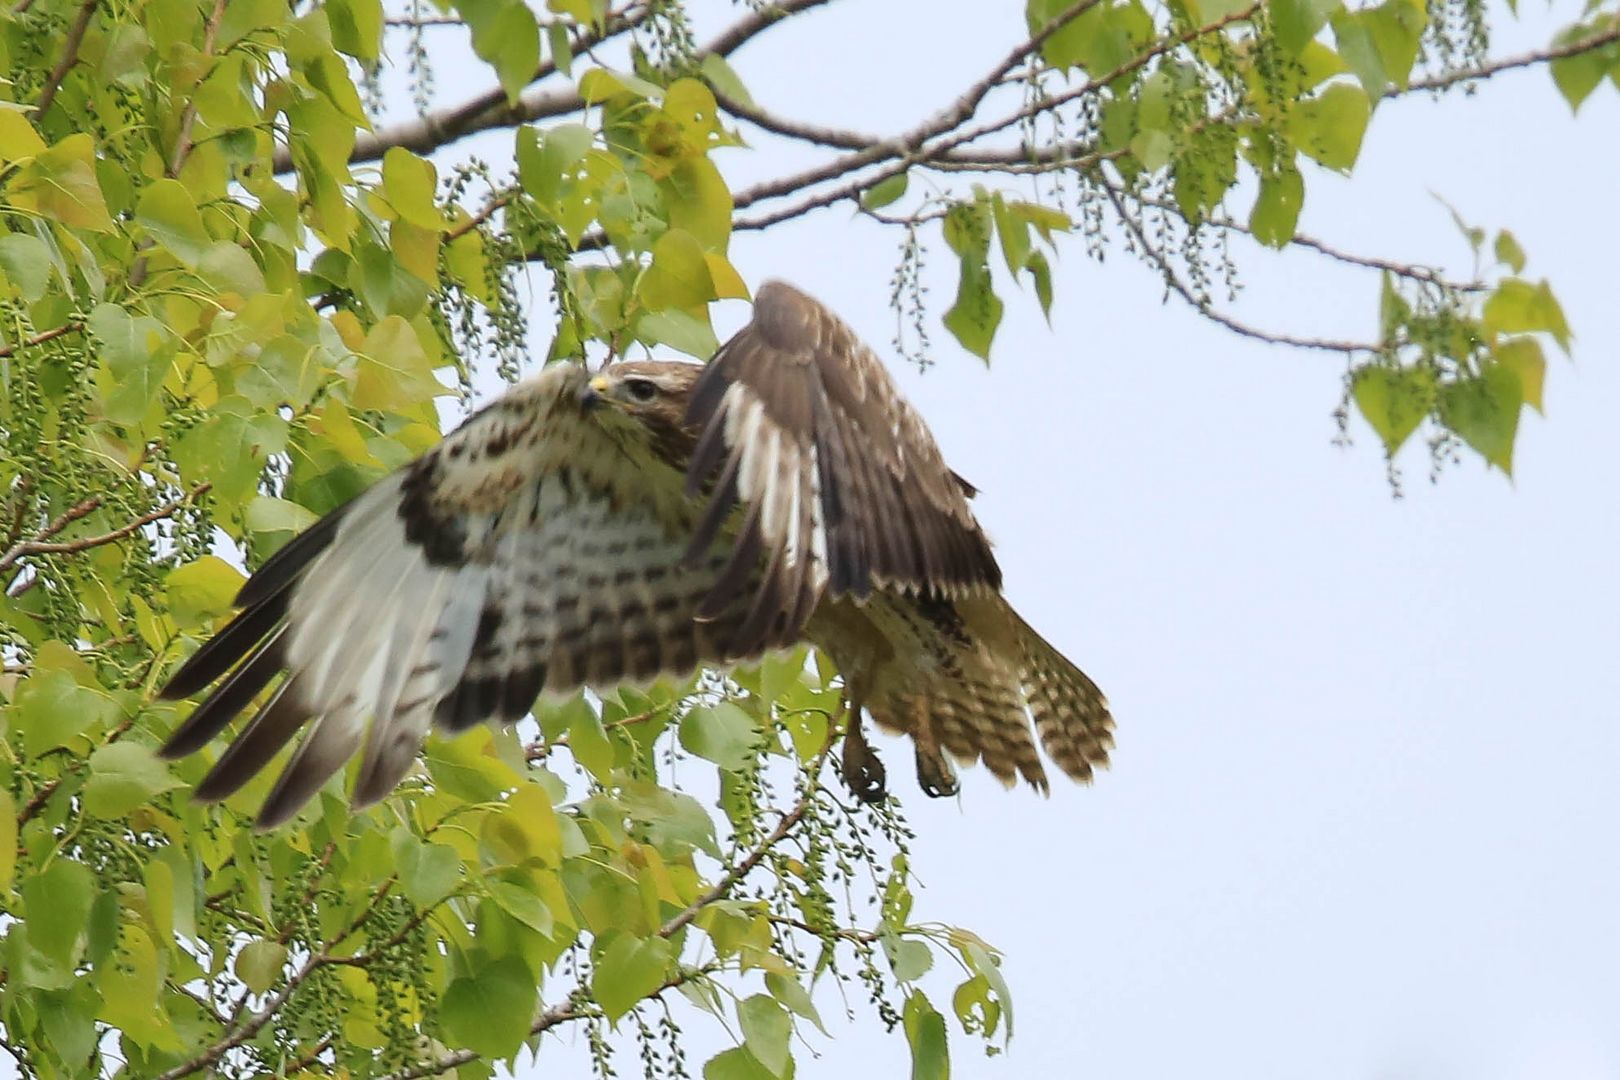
x: 946, y: 153
x: 491, y: 110
x: 1412, y: 271
x: 188, y: 115
x: 40, y: 545
x: 1173, y: 282
x: 42, y: 337
x: 1509, y: 63
x: 70, y: 56
x: 740, y: 870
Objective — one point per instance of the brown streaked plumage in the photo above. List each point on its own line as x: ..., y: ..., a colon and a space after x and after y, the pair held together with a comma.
x: 658, y: 516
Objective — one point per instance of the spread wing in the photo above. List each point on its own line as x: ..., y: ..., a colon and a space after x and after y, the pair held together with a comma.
x: 522, y: 555
x: 842, y: 486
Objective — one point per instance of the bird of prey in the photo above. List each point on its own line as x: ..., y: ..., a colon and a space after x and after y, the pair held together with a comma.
x: 588, y: 530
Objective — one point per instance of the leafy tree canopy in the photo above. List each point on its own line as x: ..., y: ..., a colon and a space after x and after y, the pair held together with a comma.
x: 235, y: 288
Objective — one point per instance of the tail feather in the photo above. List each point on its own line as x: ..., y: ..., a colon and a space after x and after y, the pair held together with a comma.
x: 1071, y: 714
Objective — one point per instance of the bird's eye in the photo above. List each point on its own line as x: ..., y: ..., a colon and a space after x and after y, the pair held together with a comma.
x: 641, y: 391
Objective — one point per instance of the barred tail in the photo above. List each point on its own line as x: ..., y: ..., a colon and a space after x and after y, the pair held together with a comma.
x: 1071, y: 714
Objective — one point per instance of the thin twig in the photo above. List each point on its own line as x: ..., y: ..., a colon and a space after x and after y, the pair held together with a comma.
x: 738, y: 871
x: 1509, y: 63
x: 1174, y: 283
x: 188, y: 114
x: 491, y: 109
x: 51, y: 528
x: 487, y: 110
x: 40, y: 546
x: 42, y: 337
x: 70, y: 56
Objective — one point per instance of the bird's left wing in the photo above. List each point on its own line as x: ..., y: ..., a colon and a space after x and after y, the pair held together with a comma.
x: 841, y: 483
x: 522, y: 555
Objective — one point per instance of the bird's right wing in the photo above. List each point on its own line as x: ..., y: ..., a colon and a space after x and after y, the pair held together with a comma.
x: 522, y: 555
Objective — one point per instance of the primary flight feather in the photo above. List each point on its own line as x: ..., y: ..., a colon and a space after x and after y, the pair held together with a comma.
x: 588, y: 530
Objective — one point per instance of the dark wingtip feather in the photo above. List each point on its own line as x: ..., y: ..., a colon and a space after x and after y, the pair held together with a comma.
x: 284, y: 567
x: 220, y: 652
x: 271, y: 729
x: 221, y: 707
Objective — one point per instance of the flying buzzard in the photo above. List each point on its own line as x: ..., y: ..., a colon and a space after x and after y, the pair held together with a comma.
x: 588, y: 530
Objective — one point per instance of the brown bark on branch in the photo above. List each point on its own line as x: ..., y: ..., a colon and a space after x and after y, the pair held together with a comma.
x: 41, y: 545
x: 1510, y: 63
x: 490, y: 110
x: 70, y: 56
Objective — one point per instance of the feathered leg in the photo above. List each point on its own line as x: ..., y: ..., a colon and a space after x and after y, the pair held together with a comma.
x: 934, y: 773
x: 863, y: 771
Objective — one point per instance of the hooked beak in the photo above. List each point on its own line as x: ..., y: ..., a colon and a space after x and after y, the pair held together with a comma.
x: 593, y: 393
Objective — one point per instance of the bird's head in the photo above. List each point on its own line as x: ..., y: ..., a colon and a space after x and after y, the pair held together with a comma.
x: 649, y: 394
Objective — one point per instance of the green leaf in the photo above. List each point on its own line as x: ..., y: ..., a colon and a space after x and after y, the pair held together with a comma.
x: 628, y: 970
x: 1040, y: 272
x: 738, y: 1064
x: 61, y: 184
x: 170, y: 216
x: 722, y: 733
x: 411, y: 182
x: 1484, y: 412
x: 1329, y: 126
x: 1296, y: 22
x: 132, y: 359
x: 269, y: 514
x: 976, y: 314
x: 980, y: 959
x: 427, y: 872
x: 885, y: 191
x: 975, y: 1008
x: 1012, y: 229
x: 27, y: 263
x: 790, y: 992
x: 1518, y: 307
x: 230, y: 269
x: 122, y: 777
x: 1276, y: 208
x: 56, y: 903
x: 1508, y: 251
x: 356, y: 27
x: 395, y: 373
x: 1523, y: 357
x: 516, y: 55
x: 490, y: 1011
x: 130, y: 989
x: 203, y: 589
x: 524, y: 906
x: 765, y: 1028
x: 679, y: 330
x: 925, y: 1031
x: 1394, y: 401
x: 1578, y: 75
x: 286, y: 371
x: 723, y: 77
x: 259, y: 964
x: 51, y: 709
x: 1381, y: 44
x: 679, y: 274
x: 909, y: 958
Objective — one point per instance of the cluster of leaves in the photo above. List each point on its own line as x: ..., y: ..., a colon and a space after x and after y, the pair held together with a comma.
x: 1160, y: 118
x: 198, y: 352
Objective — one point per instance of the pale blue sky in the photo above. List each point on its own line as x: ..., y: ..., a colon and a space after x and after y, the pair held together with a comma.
x: 1362, y: 817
